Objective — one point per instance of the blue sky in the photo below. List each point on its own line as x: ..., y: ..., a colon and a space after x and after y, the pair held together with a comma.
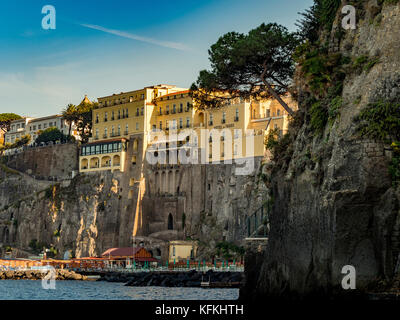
x: 102, y: 47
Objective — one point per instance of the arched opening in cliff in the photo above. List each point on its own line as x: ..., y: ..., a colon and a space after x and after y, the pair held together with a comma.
x: 170, y: 222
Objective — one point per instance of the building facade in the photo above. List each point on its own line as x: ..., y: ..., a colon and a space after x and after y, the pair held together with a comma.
x: 18, y: 129
x: 166, y: 119
x: 36, y: 125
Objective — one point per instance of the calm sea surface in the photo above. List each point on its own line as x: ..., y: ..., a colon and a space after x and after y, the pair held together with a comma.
x: 99, y: 290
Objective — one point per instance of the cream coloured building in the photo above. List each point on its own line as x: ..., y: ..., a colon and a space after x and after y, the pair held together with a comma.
x: 18, y: 129
x: 236, y: 130
x: 54, y: 121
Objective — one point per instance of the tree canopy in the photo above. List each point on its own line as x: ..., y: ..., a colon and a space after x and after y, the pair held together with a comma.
x: 6, y: 118
x: 51, y: 135
x: 257, y: 64
x: 81, y: 115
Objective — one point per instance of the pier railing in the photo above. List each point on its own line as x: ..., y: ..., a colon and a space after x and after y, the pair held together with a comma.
x: 169, y: 268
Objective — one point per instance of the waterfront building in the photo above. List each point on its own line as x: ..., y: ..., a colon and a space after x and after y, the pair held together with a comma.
x: 181, y: 250
x: 127, y: 257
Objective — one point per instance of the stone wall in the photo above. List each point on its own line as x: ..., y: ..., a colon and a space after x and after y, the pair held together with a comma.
x: 47, y: 162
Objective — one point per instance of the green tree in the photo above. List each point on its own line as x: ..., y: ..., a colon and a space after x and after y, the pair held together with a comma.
x: 6, y: 118
x: 51, y: 135
x: 71, y: 115
x: 257, y: 64
x: 84, y: 123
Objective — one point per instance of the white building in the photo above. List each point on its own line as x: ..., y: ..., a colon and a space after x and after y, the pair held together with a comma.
x: 57, y: 121
x: 17, y: 130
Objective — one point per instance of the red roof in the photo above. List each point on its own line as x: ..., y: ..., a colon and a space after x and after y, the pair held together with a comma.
x: 146, y: 259
x: 120, y: 252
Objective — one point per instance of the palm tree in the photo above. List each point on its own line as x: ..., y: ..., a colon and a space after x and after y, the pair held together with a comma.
x: 70, y: 114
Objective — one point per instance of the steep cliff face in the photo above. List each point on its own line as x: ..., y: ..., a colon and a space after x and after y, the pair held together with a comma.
x: 84, y: 215
x: 335, y: 203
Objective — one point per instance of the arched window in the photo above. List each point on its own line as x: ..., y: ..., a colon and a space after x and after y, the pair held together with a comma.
x: 170, y: 222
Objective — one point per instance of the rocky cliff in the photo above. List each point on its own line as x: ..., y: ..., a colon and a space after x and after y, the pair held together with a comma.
x: 92, y: 212
x: 336, y: 200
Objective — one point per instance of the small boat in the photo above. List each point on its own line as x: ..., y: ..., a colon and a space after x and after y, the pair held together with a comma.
x: 205, y: 284
x: 93, y: 277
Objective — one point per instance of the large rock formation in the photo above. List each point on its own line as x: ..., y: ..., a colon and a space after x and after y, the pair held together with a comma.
x: 334, y: 203
x: 93, y: 212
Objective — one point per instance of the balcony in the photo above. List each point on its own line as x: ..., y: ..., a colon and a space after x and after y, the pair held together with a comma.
x: 105, y: 135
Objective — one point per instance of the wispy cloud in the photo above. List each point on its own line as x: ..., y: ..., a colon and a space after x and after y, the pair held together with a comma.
x: 167, y: 44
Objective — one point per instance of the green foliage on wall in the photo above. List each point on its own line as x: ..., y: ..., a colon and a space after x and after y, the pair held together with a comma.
x: 380, y: 120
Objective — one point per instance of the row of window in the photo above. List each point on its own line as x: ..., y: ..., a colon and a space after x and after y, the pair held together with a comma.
x: 15, y: 127
x: 101, y: 148
x: 175, y: 97
x: 172, y: 124
x: 223, y: 120
x: 115, y: 131
x: 120, y: 101
x: 267, y: 114
x: 119, y: 115
x: 45, y: 126
x: 174, y: 109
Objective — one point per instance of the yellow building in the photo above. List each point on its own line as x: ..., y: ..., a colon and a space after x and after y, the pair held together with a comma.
x: 236, y: 130
x: 180, y: 250
x: 117, y: 118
